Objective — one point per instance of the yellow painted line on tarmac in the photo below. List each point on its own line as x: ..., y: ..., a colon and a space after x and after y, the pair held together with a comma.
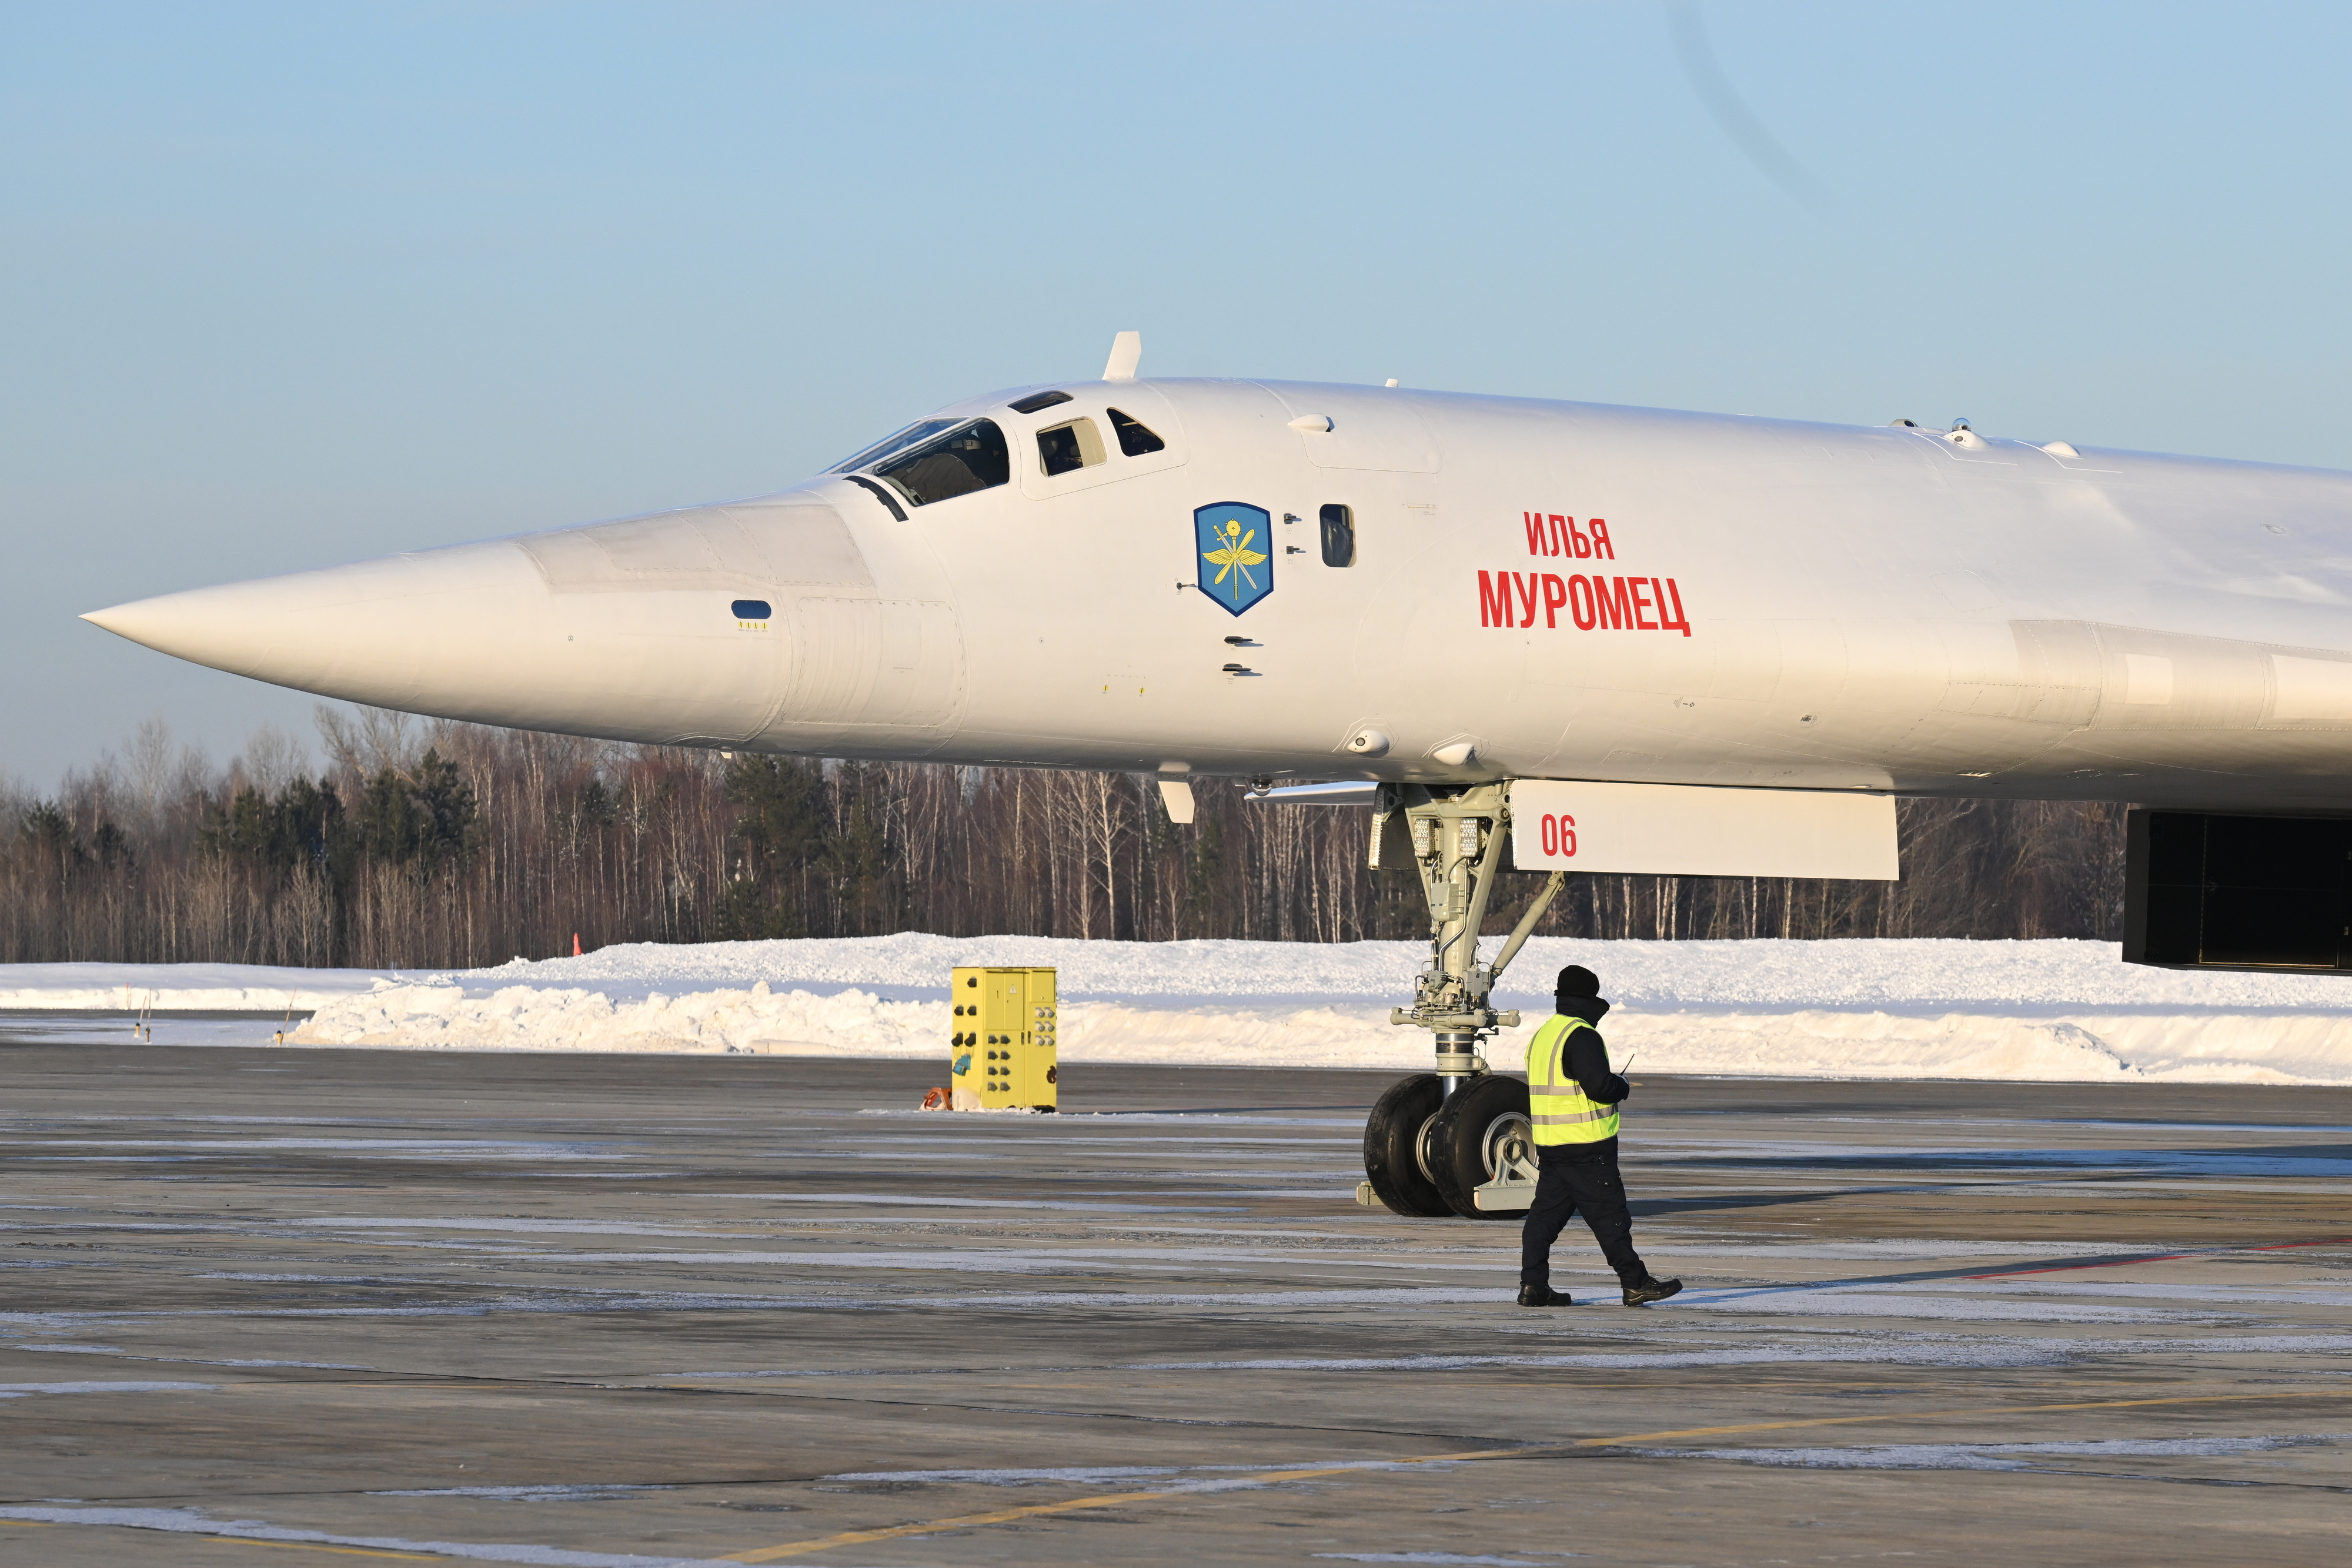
x: 1003, y: 1516
x: 1114, y: 1500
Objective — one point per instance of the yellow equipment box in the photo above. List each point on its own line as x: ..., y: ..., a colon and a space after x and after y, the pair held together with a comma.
x: 1002, y: 1050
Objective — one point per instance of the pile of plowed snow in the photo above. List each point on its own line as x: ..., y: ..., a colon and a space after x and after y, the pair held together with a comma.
x: 2044, y: 1010
x: 2051, y: 1010
x: 176, y: 988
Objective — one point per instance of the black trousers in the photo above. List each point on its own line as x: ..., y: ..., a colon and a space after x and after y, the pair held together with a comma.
x: 1578, y: 1176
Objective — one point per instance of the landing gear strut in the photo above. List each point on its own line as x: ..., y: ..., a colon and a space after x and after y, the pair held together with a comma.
x: 1457, y: 1141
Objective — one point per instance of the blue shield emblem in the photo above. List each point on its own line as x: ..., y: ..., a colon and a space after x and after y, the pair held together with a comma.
x: 1235, y: 544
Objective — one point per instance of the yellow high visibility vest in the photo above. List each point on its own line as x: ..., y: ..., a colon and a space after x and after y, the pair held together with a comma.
x: 1556, y: 1102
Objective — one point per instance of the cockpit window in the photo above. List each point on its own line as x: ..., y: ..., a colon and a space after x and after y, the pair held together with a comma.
x: 1066, y: 448
x: 921, y: 429
x: 972, y: 456
x: 1134, y: 439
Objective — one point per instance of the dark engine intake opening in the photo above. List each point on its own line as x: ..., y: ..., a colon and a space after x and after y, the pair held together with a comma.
x: 2206, y: 892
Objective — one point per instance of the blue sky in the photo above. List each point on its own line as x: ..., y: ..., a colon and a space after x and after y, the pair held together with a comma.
x: 285, y: 286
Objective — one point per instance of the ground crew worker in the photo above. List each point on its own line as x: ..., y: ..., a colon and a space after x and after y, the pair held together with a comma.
x: 1574, y: 1097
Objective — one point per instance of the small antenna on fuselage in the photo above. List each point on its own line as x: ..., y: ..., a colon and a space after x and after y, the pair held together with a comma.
x: 1126, y: 353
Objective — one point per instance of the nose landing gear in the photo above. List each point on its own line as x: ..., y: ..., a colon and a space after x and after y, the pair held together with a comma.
x: 1457, y: 1141
x: 1484, y: 1144
x: 1396, y: 1148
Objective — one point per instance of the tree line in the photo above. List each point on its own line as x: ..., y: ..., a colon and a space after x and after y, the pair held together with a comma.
x: 434, y: 844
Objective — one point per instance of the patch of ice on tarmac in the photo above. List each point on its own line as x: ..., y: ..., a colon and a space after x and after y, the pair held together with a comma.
x: 1105, y: 1475
x: 1892, y: 1249
x: 2219, y: 1344
x: 189, y: 1521
x: 899, y: 1200
x: 606, y: 1176
x: 588, y: 1491
x: 1843, y: 1300
x: 555, y: 1226
x: 18, y: 1390
x: 1994, y: 1455
x: 1996, y: 1353
x: 398, y: 1149
x: 113, y: 1225
x: 824, y: 1372
x: 242, y: 1120
x: 259, y: 1276
x: 2225, y: 1295
x: 1402, y: 1296
x: 107, y: 1159
x: 1076, y: 1474
x: 1830, y: 1347
x: 2004, y: 1167
x: 1521, y: 1559
x: 583, y: 1301
x: 117, y: 1351
x: 893, y: 1156
x: 1870, y: 1349
x: 945, y: 1262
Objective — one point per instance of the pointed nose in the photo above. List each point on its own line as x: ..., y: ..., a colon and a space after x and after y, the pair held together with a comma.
x: 481, y: 632
x: 380, y: 631
x: 758, y: 620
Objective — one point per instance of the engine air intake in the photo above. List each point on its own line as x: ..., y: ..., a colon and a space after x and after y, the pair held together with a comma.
x: 2207, y: 892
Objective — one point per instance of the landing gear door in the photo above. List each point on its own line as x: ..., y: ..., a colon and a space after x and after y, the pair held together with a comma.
x: 1675, y: 830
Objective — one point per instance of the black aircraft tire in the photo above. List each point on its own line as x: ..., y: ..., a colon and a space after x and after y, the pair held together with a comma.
x: 1458, y: 1159
x: 1392, y: 1161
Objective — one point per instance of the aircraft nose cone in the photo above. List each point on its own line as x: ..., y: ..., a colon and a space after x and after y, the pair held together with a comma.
x: 229, y: 628
x: 705, y: 626
x: 378, y: 632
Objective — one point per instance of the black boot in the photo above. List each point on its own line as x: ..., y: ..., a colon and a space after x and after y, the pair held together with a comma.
x: 1544, y: 1296
x: 1640, y: 1293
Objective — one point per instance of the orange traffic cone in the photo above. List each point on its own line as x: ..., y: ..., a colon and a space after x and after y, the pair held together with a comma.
x: 575, y: 944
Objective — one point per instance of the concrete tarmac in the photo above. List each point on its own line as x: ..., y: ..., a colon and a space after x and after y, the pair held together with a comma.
x: 263, y: 1305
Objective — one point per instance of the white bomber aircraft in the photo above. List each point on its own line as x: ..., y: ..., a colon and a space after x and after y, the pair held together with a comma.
x: 1528, y: 633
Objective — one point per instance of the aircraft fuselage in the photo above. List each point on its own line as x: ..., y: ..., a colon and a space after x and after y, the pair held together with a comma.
x: 1534, y: 589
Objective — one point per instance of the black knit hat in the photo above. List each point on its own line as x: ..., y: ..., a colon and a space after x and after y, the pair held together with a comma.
x: 1576, y: 980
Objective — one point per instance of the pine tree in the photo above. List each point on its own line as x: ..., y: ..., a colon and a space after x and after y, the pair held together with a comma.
x: 781, y: 829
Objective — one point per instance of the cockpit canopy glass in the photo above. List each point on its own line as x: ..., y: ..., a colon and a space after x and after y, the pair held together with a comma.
x: 921, y: 429
x: 971, y: 456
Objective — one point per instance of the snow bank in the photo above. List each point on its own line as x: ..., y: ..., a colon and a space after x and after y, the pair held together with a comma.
x: 2034, y: 1010
x: 1768, y: 973
x: 2039, y: 1010
x: 176, y: 988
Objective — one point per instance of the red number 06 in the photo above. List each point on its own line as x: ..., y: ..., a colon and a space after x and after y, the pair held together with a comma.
x: 1559, y: 834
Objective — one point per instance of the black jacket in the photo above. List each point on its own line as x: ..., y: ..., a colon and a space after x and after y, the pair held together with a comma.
x: 1587, y: 1054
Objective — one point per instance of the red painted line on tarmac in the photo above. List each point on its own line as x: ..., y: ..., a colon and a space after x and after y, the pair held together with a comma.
x: 2159, y: 1258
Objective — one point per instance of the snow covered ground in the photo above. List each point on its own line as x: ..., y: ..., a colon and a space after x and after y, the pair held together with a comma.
x: 170, y: 988
x: 2045, y: 1010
